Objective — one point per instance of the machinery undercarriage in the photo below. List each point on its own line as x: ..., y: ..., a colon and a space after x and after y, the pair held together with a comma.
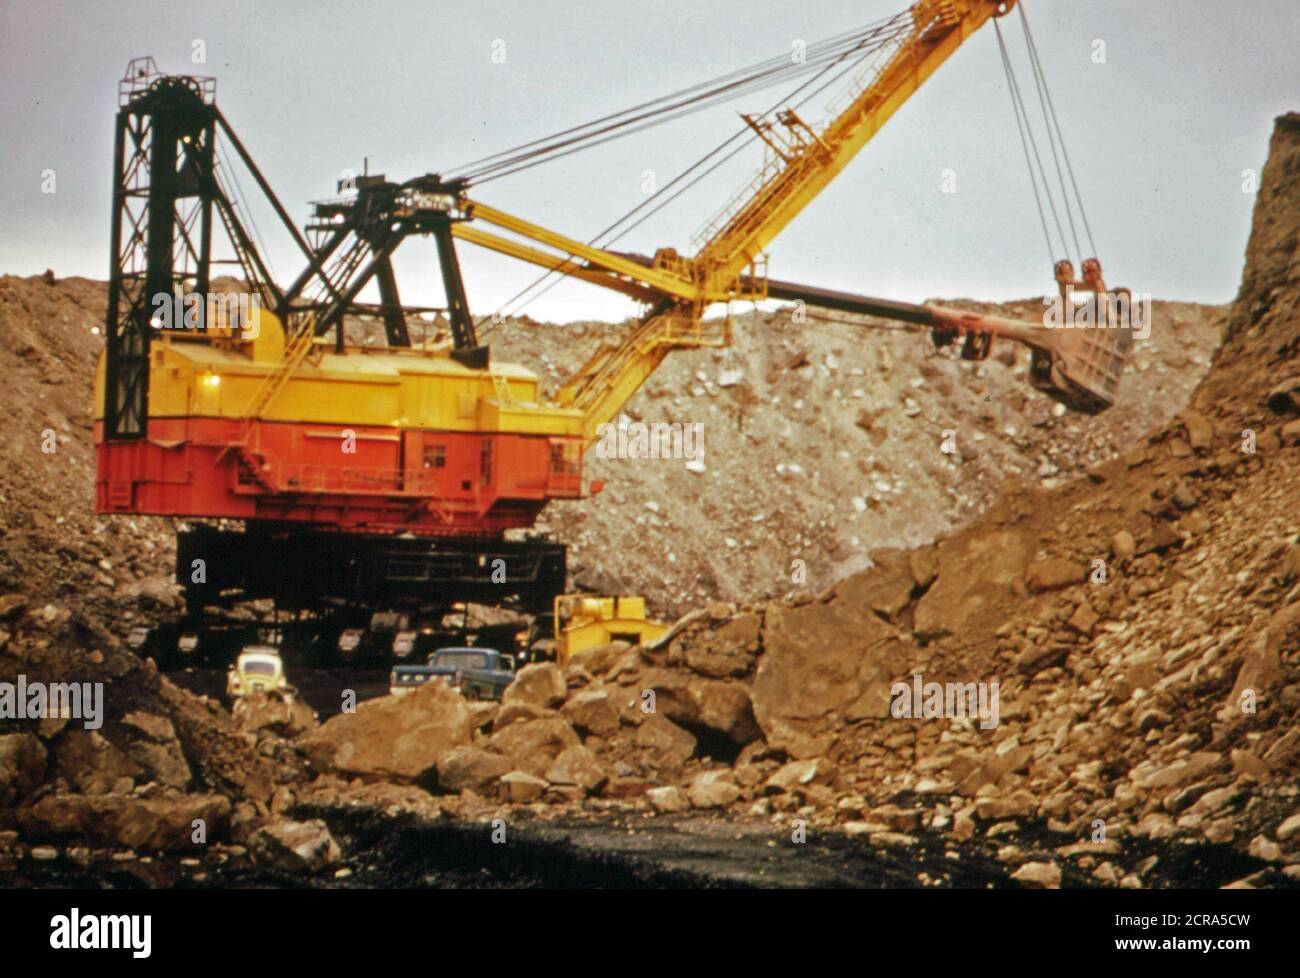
x: 344, y: 597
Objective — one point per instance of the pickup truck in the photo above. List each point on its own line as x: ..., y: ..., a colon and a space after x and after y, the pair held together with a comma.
x: 479, y: 673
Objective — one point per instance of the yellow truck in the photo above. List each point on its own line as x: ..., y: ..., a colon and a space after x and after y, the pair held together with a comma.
x: 582, y: 621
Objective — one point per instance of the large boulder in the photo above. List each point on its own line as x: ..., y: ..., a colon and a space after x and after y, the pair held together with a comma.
x: 297, y: 847
x: 1053, y: 574
x: 534, y: 744
x: 260, y: 712
x: 507, y: 714
x: 824, y: 663
x: 162, y: 824
x: 220, y: 756
x: 90, y: 764
x: 471, y: 768
x: 700, y: 704
x: 713, y: 789
x: 540, y: 686
x: 12, y: 605
x: 799, y: 774
x: 592, y: 712
x: 1261, y: 670
x: 972, y: 604
x: 394, y: 737
x: 598, y: 659
x: 578, y: 766
x: 153, y: 745
x: 886, y: 589
x: 664, y: 745
x: 728, y: 651
x: 668, y: 799
x: 22, y: 766
x: 1288, y: 828
x: 520, y: 787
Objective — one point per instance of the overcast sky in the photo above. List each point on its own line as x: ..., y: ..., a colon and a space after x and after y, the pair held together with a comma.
x: 1159, y: 133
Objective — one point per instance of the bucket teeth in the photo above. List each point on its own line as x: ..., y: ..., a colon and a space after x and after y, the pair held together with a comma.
x: 1082, y: 367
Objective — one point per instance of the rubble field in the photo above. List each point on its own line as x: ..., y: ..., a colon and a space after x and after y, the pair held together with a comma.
x: 1125, y: 589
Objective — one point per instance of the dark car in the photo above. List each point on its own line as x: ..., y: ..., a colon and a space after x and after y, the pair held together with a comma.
x: 479, y: 673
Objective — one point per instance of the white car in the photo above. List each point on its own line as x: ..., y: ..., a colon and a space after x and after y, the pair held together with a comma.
x: 259, y: 669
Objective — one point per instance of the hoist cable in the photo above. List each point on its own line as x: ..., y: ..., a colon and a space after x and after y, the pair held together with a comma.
x: 1018, y: 102
x: 1024, y: 143
x: 1051, y: 107
x: 559, y: 151
x: 557, y: 148
x: 755, y: 70
x: 572, y: 262
x: 769, y: 73
x: 223, y: 161
x: 1036, y: 70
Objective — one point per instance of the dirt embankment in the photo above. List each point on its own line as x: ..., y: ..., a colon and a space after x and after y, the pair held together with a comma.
x: 823, y: 441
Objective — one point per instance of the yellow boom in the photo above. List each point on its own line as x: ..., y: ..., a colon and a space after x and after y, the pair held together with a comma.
x: 730, y: 266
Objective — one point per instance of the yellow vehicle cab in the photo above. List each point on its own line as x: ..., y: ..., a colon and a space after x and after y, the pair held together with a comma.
x: 583, y: 621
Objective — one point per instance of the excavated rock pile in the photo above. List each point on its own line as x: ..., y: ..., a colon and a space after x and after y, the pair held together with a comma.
x: 823, y: 441
x: 1141, y: 624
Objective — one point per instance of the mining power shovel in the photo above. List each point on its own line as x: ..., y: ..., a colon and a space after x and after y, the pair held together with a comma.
x: 347, y: 481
